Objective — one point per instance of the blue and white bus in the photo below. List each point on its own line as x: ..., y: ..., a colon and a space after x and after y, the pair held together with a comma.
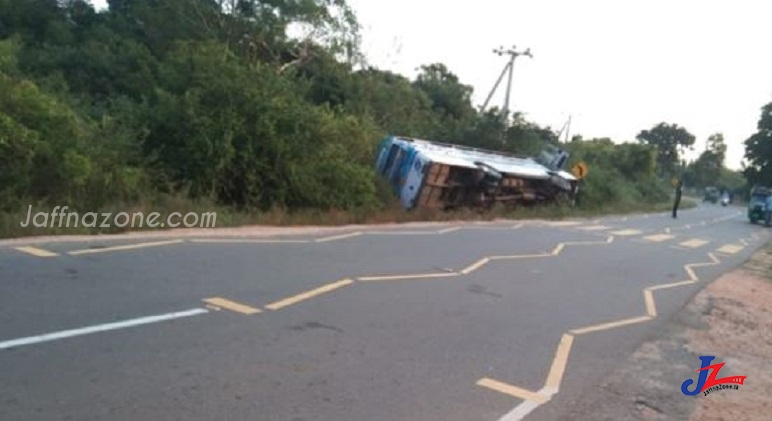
x: 431, y: 174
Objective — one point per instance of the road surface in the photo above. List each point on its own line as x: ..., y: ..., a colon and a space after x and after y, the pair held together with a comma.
x: 489, y: 322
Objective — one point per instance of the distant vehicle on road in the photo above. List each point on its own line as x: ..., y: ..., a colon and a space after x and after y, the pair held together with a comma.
x: 711, y: 194
x: 757, y: 206
x: 725, y: 200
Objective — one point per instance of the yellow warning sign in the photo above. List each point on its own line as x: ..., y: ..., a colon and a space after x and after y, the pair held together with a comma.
x: 579, y: 170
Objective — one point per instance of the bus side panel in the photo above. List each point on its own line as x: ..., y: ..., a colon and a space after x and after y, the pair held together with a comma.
x: 395, y: 170
x: 406, y: 164
x: 413, y: 180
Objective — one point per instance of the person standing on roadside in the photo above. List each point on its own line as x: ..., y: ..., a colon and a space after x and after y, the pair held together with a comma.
x: 677, y: 201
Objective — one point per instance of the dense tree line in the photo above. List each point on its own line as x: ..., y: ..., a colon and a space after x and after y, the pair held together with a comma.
x: 758, y: 150
x: 709, y: 169
x: 222, y: 101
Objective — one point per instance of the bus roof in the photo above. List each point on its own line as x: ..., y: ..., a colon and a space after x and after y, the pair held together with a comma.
x: 468, y: 157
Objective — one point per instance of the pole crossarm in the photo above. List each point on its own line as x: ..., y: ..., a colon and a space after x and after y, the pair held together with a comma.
x: 508, y: 68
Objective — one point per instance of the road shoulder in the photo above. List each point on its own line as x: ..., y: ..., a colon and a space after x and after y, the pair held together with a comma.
x: 730, y: 319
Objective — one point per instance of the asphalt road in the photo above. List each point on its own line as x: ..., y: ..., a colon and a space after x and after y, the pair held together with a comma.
x: 488, y: 322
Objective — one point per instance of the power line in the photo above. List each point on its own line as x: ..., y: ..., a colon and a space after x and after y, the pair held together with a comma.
x: 513, y: 54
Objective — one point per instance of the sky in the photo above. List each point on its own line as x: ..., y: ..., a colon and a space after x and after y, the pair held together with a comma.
x: 614, y: 67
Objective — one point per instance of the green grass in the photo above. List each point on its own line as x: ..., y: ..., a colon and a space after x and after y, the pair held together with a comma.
x: 10, y: 222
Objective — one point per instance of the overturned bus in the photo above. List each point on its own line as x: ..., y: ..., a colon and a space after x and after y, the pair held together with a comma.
x: 428, y: 174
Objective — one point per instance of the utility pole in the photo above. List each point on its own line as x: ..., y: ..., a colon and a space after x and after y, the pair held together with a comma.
x: 513, y: 54
x: 567, y: 128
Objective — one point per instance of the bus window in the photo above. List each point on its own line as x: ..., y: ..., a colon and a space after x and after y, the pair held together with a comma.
x: 396, y: 168
x: 390, y: 159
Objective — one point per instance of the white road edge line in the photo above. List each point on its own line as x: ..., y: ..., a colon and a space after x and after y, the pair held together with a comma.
x: 30, y: 340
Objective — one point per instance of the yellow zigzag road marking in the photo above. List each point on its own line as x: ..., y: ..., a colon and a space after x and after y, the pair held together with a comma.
x: 694, y: 243
x: 44, y: 253
x: 626, y: 232
x: 515, y: 391
x: 411, y: 276
x: 308, y: 294
x: 551, y: 385
x: 354, y: 234
x: 338, y: 237
x: 476, y: 265
x: 419, y: 232
x: 730, y: 249
x: 594, y: 228
x: 555, y: 251
x: 610, y: 325
x: 125, y: 247
x: 35, y: 251
x: 406, y: 232
x: 245, y: 240
x: 648, y: 298
x: 533, y: 400
x: 483, y: 261
x: 562, y: 223
x: 447, y: 230
x: 231, y: 305
x: 658, y: 237
x: 559, y: 362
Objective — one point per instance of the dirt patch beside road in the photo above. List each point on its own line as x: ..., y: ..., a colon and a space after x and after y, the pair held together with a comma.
x: 731, y: 319
x: 740, y: 319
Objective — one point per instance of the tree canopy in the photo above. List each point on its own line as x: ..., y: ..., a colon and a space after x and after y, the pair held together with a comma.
x: 758, y: 150
x: 670, y: 140
x: 252, y: 104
